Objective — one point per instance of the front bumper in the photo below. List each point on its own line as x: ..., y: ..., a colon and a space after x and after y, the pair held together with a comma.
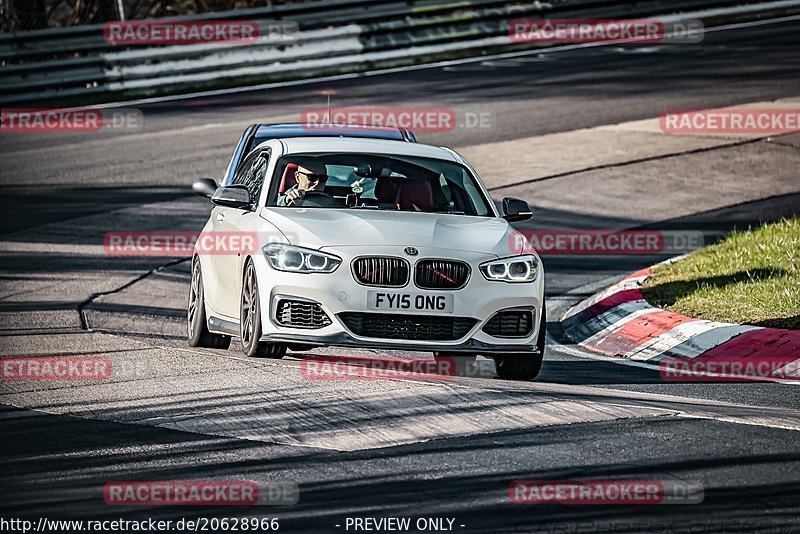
x: 339, y: 292
x: 344, y: 339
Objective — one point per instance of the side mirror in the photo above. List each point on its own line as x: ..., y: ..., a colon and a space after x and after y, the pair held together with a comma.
x: 204, y: 187
x: 515, y: 209
x: 232, y: 196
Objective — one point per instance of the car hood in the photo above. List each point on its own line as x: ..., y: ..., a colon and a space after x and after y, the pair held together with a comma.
x: 330, y: 228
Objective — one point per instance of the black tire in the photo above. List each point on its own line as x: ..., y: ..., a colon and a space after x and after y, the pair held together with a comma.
x: 250, y: 320
x: 518, y: 366
x: 523, y: 366
x: 198, y: 333
x: 464, y: 363
x: 542, y: 331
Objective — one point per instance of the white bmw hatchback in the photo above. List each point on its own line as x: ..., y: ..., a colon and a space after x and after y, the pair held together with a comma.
x: 389, y: 245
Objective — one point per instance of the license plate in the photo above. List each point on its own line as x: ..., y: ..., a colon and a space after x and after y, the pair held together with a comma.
x: 433, y: 302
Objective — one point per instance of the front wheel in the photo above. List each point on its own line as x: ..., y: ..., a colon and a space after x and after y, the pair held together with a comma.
x: 250, y: 320
x: 523, y: 366
x: 518, y: 366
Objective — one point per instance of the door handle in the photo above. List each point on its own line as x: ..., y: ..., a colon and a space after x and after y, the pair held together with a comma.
x: 220, y: 217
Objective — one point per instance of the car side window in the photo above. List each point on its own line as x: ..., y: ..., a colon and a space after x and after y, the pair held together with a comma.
x: 252, y: 174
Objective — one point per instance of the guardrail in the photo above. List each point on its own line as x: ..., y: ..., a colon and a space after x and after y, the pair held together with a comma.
x: 333, y: 36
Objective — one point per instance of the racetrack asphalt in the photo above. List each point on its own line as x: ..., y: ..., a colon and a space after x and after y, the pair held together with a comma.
x: 404, y: 448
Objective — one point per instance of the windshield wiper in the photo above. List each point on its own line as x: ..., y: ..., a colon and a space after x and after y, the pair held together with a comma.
x: 451, y: 212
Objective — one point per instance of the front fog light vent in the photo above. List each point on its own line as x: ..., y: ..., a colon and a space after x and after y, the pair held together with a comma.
x: 511, y: 323
x: 301, y: 314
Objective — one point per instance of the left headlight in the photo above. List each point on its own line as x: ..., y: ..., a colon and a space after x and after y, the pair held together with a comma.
x: 300, y: 260
x: 517, y: 269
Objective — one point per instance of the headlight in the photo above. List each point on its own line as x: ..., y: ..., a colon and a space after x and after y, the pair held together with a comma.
x: 516, y: 269
x: 300, y: 260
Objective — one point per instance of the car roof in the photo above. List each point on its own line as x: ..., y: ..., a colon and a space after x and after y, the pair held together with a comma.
x: 298, y: 145
x: 283, y: 131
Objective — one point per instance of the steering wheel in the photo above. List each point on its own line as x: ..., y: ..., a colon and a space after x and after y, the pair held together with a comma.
x: 319, y: 199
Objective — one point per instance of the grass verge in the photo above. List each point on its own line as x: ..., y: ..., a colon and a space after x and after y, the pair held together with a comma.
x: 751, y: 277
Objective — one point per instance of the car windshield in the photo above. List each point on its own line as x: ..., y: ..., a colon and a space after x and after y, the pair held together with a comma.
x: 379, y: 182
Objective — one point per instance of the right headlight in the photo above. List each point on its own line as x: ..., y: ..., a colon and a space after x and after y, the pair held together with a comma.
x: 300, y: 260
x: 518, y: 269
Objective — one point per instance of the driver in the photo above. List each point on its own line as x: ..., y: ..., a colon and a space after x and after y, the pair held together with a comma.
x: 311, y: 176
